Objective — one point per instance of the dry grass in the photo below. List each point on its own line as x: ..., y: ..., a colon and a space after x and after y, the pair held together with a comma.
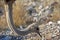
x: 19, y: 12
x: 2, y: 18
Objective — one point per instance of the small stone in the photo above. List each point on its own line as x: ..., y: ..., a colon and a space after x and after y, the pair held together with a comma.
x: 50, y: 22
x: 58, y: 22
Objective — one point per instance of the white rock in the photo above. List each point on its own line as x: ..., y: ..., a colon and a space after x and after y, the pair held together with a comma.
x: 47, y: 7
x: 40, y: 7
x: 50, y: 22
x: 58, y: 22
x: 53, y: 35
x: 35, y: 19
x: 33, y: 3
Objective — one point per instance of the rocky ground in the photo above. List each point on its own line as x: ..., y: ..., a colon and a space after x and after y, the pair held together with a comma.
x: 19, y: 19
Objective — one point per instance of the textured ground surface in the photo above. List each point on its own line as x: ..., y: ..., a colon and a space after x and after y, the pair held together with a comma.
x: 19, y: 12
